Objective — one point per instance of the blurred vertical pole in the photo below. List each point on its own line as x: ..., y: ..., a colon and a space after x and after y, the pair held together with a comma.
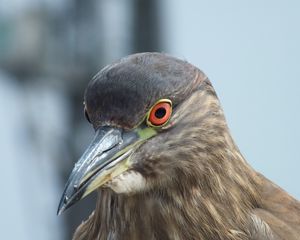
x: 146, y: 26
x: 103, y: 32
x: 81, y: 50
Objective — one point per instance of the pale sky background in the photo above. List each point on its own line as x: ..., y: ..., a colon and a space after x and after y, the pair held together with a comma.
x: 250, y: 51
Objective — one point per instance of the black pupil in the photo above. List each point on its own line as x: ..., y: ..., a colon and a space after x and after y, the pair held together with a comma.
x: 160, y: 113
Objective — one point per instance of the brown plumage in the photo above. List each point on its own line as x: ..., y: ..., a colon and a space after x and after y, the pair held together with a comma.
x: 198, y: 185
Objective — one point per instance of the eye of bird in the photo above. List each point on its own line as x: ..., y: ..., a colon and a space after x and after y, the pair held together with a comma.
x: 160, y: 113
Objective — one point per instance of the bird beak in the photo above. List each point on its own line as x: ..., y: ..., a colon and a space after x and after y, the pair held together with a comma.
x: 108, y: 156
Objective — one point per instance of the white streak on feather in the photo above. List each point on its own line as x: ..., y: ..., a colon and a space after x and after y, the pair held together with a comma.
x: 127, y: 182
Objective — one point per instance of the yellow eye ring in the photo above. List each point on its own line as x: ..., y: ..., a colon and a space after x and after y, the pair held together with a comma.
x: 160, y: 113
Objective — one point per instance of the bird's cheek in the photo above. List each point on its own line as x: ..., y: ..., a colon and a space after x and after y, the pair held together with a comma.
x: 128, y: 183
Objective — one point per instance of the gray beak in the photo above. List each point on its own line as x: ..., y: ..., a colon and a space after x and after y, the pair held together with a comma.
x: 107, y: 157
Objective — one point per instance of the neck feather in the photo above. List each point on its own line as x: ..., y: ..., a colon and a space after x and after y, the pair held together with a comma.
x: 217, y: 207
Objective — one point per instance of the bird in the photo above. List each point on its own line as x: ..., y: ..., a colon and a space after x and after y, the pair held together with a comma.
x: 164, y: 163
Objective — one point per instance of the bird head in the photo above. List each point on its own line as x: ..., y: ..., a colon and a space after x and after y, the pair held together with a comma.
x: 155, y: 118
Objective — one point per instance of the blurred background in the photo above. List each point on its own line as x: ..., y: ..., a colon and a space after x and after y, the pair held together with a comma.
x: 50, y: 49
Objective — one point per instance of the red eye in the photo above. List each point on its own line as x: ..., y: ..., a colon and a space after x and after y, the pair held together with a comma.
x: 160, y: 114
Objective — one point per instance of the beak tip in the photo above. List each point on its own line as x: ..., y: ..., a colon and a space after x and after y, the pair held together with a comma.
x: 63, y: 204
x: 60, y: 211
x: 69, y: 198
x: 61, y: 208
